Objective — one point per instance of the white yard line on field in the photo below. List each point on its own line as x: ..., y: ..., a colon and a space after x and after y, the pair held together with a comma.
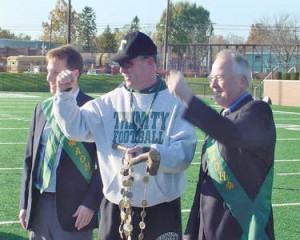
x: 183, y: 211
x: 288, y: 174
x: 286, y: 119
x: 17, y: 168
x: 8, y: 222
x: 282, y: 112
x: 285, y: 204
x: 14, y: 128
x: 16, y: 118
x: 278, y: 139
x: 287, y: 160
x: 197, y: 163
x: 273, y: 205
x: 12, y: 143
x: 16, y: 95
x: 287, y: 139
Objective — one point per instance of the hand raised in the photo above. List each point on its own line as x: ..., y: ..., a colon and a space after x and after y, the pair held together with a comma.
x: 178, y: 86
x: 65, y: 80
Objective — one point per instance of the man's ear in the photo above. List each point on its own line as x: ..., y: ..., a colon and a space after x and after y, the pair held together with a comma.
x: 76, y: 74
x: 244, y: 81
x: 151, y: 60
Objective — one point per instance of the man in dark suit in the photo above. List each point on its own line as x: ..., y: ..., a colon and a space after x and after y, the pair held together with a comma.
x: 233, y: 195
x: 61, y: 187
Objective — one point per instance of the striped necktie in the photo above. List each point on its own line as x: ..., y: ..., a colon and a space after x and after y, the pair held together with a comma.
x: 48, y: 162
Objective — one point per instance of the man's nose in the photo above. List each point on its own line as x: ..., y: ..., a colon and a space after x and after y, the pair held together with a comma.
x: 51, y: 77
x: 213, y: 82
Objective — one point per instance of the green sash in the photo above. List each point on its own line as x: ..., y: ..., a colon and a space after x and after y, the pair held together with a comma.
x: 75, y: 150
x: 252, y: 216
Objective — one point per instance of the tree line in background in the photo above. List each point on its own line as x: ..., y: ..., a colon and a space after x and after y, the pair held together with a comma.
x: 188, y: 24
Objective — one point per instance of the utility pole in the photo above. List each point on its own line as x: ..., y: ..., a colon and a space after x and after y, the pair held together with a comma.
x: 165, y: 65
x: 50, y: 32
x: 209, y: 58
x: 69, y: 22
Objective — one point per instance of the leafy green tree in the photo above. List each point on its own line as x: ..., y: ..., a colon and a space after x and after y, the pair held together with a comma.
x: 5, y: 33
x: 188, y: 24
x: 22, y: 36
x: 135, y: 24
x: 88, y: 28
x: 106, y: 42
x: 57, y: 28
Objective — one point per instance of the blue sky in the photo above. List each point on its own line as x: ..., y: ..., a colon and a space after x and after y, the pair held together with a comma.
x: 234, y: 16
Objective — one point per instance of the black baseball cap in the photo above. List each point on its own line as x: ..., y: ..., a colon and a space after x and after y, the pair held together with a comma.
x: 134, y: 44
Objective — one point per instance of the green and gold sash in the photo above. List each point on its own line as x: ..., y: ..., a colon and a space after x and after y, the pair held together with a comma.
x: 251, y: 215
x: 75, y: 150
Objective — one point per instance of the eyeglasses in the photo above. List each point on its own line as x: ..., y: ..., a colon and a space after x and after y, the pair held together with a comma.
x: 130, y: 63
x: 126, y: 65
x: 218, y: 78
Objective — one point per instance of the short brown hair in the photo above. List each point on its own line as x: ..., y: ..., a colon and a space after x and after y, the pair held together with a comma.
x: 70, y: 54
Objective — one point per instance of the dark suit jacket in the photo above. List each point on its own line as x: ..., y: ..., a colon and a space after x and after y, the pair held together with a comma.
x: 71, y: 188
x: 246, y: 140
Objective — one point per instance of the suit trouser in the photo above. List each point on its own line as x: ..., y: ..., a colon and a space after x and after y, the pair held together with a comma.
x: 163, y: 221
x: 46, y: 226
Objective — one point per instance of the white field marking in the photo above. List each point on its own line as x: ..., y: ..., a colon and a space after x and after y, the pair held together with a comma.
x: 15, y: 110
x: 16, y: 95
x: 281, y: 112
x: 8, y: 117
x: 278, y: 139
x: 285, y: 204
x: 18, y: 119
x: 183, y: 211
x: 8, y: 222
x: 289, y: 126
x: 13, y: 128
x: 288, y: 174
x: 290, y: 160
x: 286, y: 119
x: 294, y: 129
x: 9, y: 113
x: 12, y: 143
x: 277, y: 161
x: 273, y: 205
x: 15, y: 118
x: 4, y: 169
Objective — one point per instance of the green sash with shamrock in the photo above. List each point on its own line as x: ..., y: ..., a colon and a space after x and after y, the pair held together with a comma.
x: 75, y: 150
x: 251, y: 215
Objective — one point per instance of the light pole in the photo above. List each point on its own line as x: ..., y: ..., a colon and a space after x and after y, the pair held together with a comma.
x: 165, y: 65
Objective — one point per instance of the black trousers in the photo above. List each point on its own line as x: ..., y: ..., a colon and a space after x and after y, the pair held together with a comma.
x: 163, y: 221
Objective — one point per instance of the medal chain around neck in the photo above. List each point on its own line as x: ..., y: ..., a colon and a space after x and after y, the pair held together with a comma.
x: 138, y: 128
x: 125, y: 204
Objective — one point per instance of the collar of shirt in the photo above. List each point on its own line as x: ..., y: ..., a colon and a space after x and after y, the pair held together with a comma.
x: 75, y: 94
x: 237, y: 101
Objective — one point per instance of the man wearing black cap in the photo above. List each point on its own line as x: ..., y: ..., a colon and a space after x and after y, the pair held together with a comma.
x: 139, y: 120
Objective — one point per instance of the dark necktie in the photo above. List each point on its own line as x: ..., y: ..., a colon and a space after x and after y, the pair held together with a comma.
x: 225, y: 112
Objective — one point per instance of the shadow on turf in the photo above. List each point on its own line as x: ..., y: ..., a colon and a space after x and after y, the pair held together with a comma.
x: 9, y: 236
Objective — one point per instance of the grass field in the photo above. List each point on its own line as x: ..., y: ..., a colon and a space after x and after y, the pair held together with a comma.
x: 15, y: 116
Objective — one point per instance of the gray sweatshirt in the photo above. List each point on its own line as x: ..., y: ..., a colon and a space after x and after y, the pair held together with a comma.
x: 109, y: 119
